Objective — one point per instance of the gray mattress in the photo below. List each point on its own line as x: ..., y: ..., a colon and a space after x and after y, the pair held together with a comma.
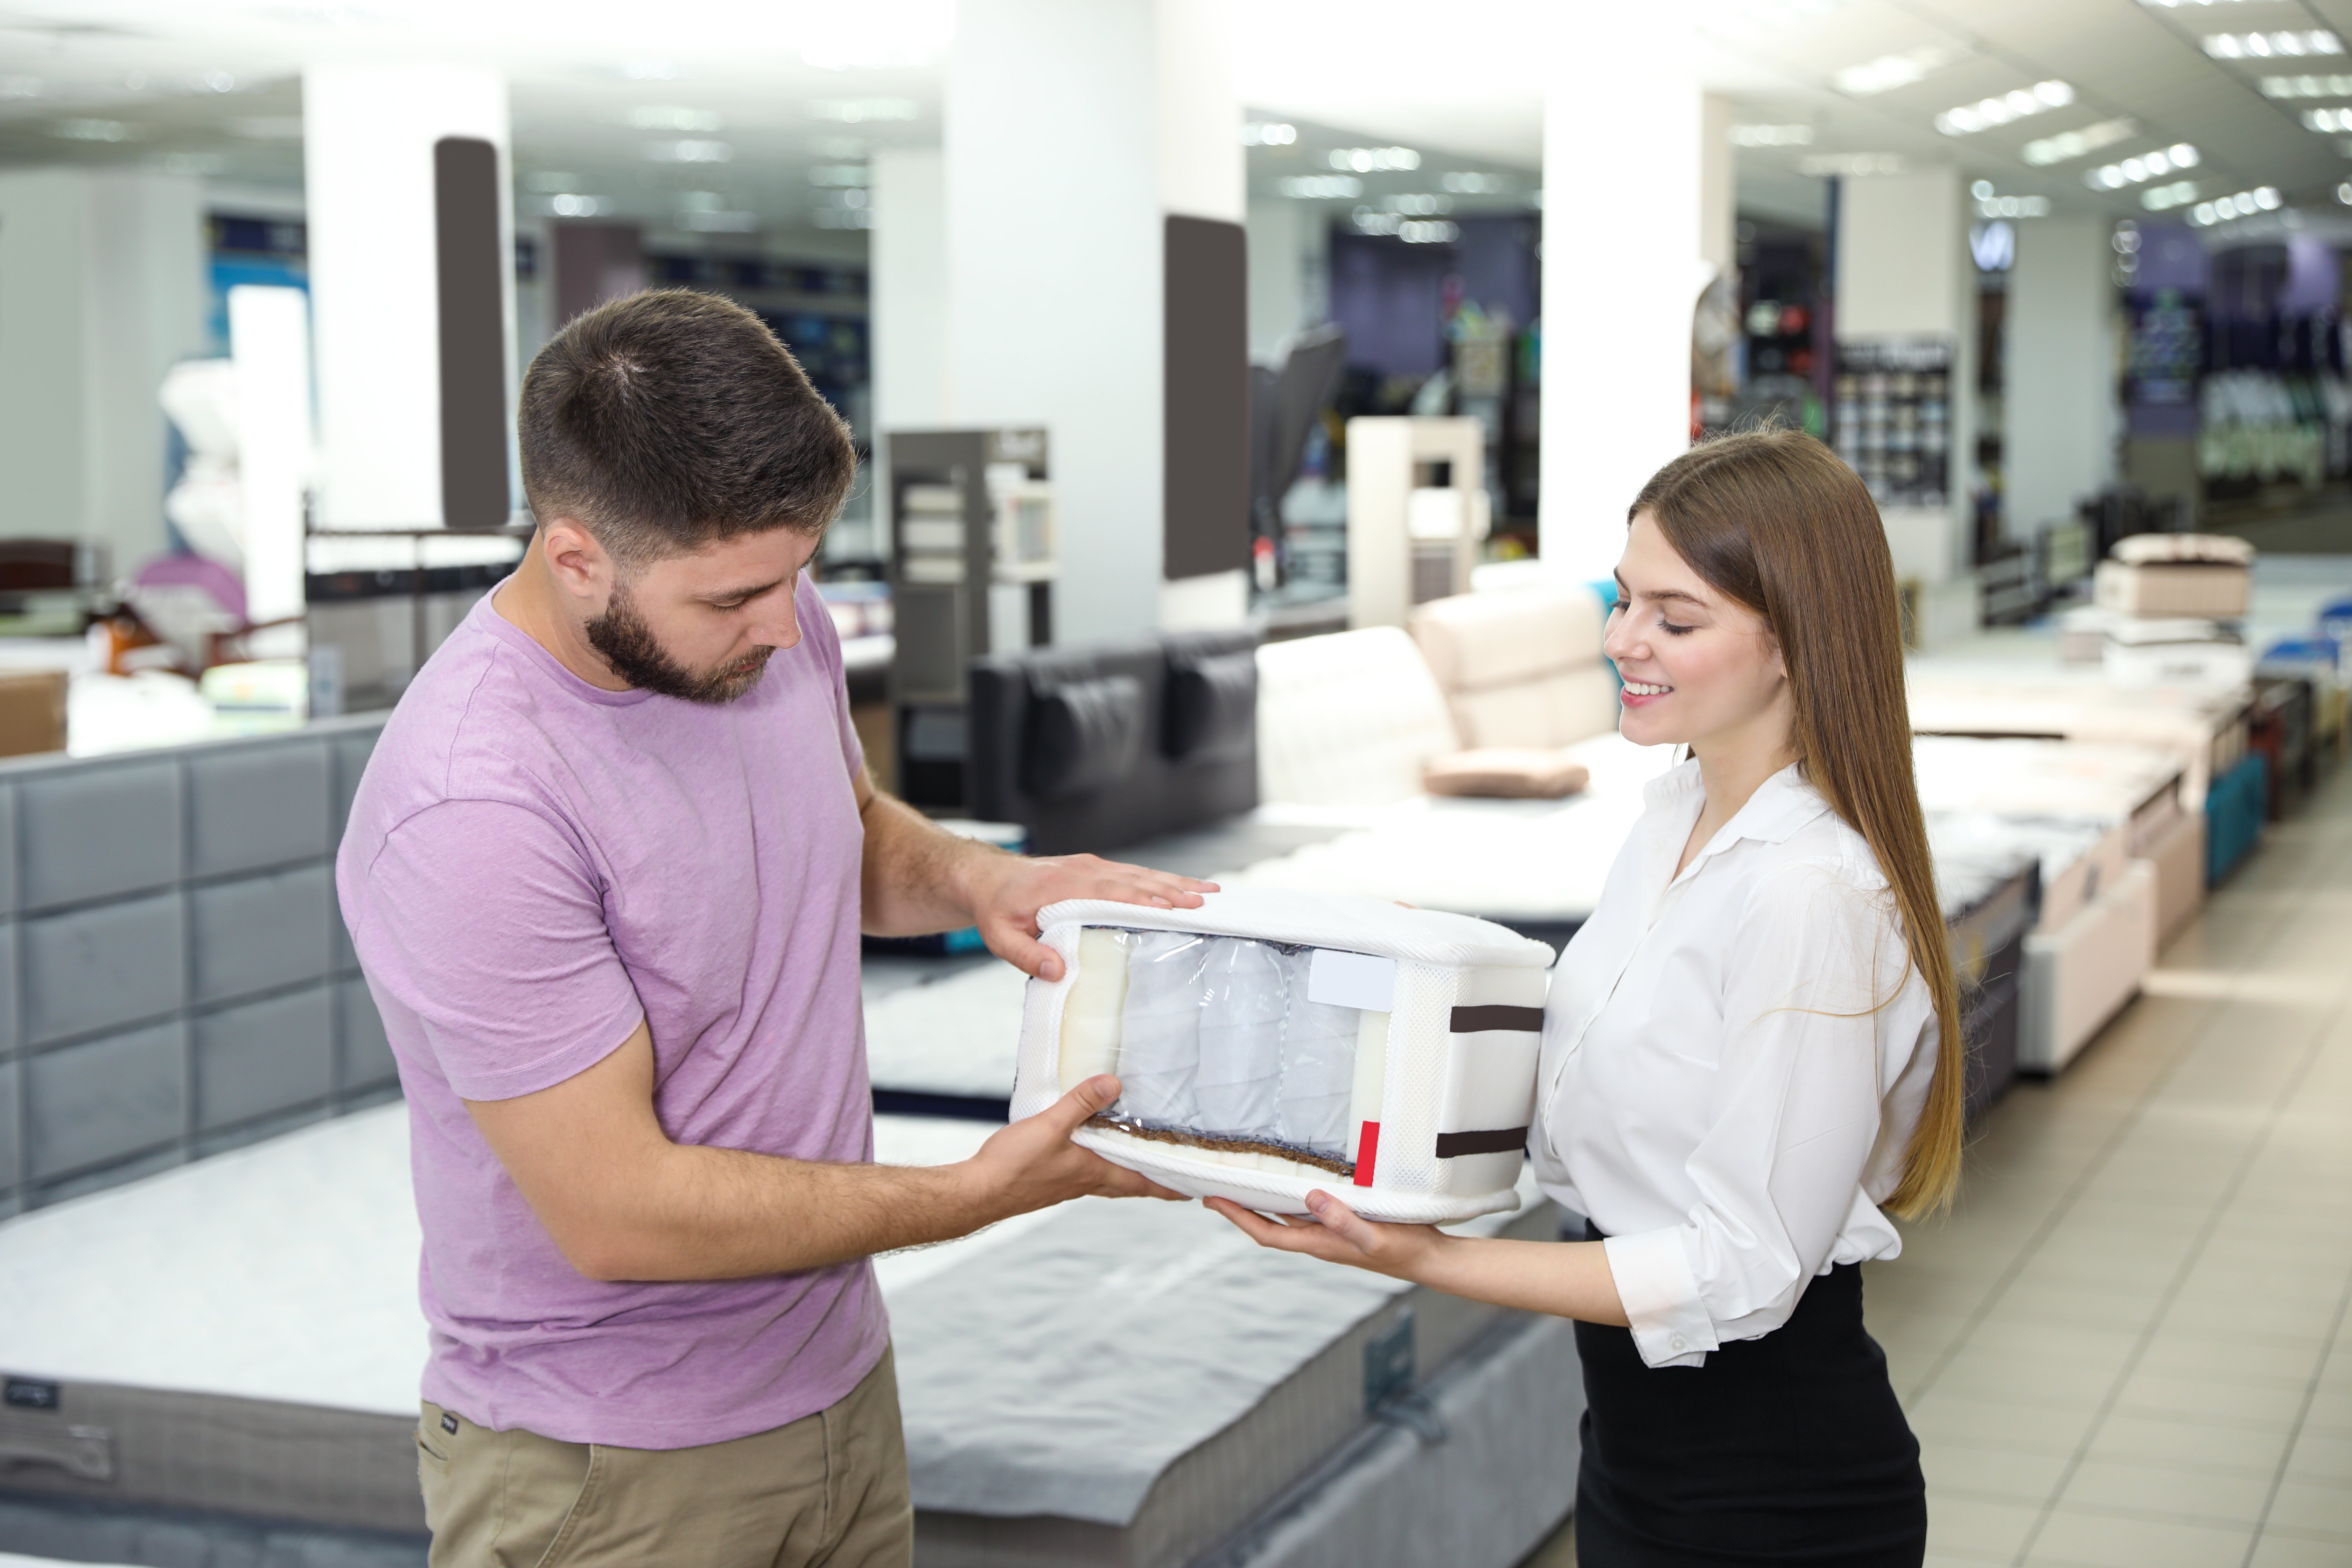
x: 1102, y: 1384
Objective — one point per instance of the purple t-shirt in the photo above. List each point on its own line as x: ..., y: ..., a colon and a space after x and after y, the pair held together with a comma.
x: 533, y: 866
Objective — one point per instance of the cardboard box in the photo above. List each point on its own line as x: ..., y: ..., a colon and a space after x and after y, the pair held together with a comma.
x: 32, y: 712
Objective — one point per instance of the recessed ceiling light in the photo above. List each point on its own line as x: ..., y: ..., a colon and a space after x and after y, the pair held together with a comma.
x: 94, y: 130
x: 1419, y: 205
x: 2014, y: 206
x: 1889, y: 73
x: 1476, y: 185
x: 2327, y: 120
x: 859, y: 111
x: 1268, y: 133
x: 1771, y: 136
x: 2069, y: 144
x: 672, y: 117
x: 2272, y: 45
x: 2139, y: 169
x: 1320, y: 187
x: 571, y: 204
x: 689, y: 151
x: 1851, y: 163
x: 2020, y: 104
x: 1374, y: 159
x: 2164, y: 199
x: 2246, y: 203
x: 2307, y: 87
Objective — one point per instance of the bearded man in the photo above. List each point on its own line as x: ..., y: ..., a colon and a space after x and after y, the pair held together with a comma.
x: 606, y: 874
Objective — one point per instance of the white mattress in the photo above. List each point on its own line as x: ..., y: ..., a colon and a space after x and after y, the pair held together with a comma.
x: 2077, y: 975
x: 1137, y: 1369
x: 1527, y: 860
x: 2202, y: 727
x: 957, y: 1035
x: 286, y: 1270
x: 2079, y: 859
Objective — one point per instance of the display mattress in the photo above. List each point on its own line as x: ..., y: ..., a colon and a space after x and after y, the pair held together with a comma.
x: 241, y: 1335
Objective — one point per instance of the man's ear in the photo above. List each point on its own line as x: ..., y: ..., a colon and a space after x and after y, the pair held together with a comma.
x: 580, y: 565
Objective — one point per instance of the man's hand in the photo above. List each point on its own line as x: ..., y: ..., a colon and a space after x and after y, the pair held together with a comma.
x: 1007, y: 890
x: 1033, y: 1165
x: 1338, y: 1234
x: 918, y: 878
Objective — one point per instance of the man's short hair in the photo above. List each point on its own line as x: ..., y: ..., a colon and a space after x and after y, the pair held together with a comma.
x: 669, y: 420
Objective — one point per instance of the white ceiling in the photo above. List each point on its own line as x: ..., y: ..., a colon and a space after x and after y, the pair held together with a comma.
x: 1468, y: 91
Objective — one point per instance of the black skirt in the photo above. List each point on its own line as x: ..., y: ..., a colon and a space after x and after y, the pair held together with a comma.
x: 1785, y: 1449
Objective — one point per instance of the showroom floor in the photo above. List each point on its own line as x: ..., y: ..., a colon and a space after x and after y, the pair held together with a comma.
x: 2127, y: 1346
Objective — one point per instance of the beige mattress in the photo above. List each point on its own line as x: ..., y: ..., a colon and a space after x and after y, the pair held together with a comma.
x: 2080, y: 974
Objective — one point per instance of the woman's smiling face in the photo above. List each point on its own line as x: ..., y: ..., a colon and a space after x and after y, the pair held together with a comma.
x: 1697, y: 666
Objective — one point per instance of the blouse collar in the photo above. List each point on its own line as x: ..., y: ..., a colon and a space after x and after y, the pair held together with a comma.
x: 1781, y: 804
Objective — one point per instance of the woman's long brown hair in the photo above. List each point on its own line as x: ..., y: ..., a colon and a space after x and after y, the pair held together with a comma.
x: 1771, y: 519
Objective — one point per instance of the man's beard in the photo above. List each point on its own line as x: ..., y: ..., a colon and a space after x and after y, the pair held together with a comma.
x: 637, y: 657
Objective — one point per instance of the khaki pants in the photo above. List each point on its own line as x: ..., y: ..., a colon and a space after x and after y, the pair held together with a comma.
x: 827, y: 1492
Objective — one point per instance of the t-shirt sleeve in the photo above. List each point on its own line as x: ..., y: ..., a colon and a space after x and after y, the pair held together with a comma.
x: 485, y: 920
x: 817, y: 622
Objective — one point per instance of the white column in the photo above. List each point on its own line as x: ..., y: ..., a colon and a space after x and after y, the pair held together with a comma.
x: 1073, y: 129
x: 1621, y: 270
x: 368, y: 136
x: 102, y: 290
x: 1903, y: 271
x: 2058, y: 371
x: 1718, y: 185
x: 909, y: 286
x: 1289, y: 243
x: 269, y: 343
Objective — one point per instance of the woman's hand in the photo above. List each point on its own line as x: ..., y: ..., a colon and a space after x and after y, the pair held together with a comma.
x: 1338, y: 1234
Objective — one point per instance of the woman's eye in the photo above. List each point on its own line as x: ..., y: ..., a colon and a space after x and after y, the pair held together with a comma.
x: 1671, y: 629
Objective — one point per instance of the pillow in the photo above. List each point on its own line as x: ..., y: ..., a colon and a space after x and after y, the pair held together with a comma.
x: 1512, y: 773
x: 1082, y: 734
x: 1212, y: 707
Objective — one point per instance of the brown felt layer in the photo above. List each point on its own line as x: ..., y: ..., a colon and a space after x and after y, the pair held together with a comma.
x: 1230, y: 1145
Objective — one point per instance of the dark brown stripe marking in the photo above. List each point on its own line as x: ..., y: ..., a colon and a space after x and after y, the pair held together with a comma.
x: 1495, y: 1141
x: 1470, y: 1020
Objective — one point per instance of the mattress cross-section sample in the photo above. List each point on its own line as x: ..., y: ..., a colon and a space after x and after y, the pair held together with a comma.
x: 1270, y: 1043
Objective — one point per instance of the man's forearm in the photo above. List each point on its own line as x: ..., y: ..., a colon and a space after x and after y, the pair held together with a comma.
x: 917, y: 878
x: 696, y: 1213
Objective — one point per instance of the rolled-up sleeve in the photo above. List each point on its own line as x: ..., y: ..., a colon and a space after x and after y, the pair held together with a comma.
x: 1792, y: 1122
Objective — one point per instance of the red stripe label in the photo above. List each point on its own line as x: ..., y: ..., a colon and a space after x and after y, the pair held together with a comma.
x: 1367, y: 1149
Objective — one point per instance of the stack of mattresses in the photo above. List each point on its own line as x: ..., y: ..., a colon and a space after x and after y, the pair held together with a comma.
x: 2205, y: 728
x: 2121, y: 866
x: 1101, y: 1384
x: 1991, y: 894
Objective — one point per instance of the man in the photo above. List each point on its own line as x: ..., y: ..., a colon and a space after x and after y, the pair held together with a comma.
x: 606, y: 874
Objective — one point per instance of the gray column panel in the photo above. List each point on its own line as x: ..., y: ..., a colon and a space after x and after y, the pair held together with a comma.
x: 257, y: 933
x: 263, y: 805
x: 103, y: 1099
x: 93, y: 968
x: 98, y: 832
x: 264, y: 1056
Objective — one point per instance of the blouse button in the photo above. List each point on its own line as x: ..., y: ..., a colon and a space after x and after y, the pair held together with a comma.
x: 1677, y: 1342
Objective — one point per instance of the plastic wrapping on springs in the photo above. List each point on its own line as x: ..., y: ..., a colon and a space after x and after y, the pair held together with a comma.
x: 1219, y: 1045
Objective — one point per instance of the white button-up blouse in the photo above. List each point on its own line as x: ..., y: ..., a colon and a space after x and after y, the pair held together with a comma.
x: 1733, y: 1061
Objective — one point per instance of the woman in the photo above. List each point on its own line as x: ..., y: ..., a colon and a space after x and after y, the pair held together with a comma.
x: 1751, y: 1052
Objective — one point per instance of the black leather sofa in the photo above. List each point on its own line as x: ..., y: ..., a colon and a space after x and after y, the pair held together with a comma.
x: 1094, y: 748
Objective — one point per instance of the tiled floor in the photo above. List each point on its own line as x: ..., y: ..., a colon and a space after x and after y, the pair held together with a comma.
x: 2127, y: 1346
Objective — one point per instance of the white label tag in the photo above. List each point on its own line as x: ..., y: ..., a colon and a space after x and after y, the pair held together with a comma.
x: 1338, y: 979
